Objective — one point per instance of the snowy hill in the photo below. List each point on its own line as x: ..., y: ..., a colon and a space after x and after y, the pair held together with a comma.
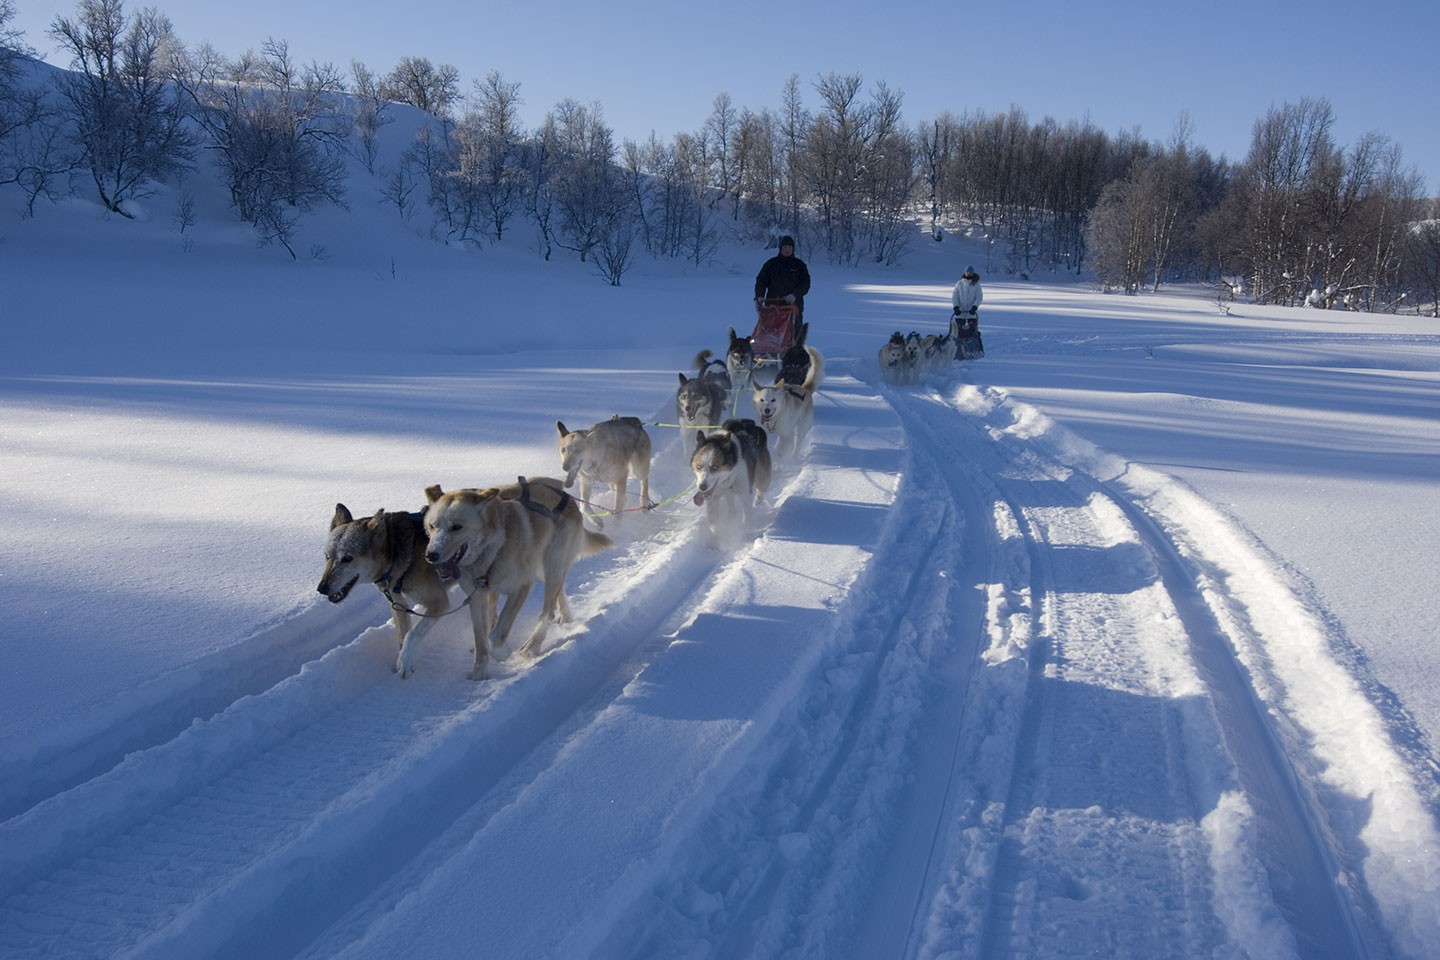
x: 1117, y: 642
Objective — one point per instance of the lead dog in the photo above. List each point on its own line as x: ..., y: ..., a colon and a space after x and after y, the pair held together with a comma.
x: 610, y: 452
x: 732, y: 466
x: 499, y: 541
x: 786, y: 409
x: 388, y: 550
x: 894, y: 360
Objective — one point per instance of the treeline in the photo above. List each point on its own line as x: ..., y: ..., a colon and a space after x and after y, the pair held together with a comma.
x: 1300, y: 220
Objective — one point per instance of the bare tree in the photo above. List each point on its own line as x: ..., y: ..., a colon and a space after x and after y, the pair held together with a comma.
x: 614, y: 251
x: 587, y: 190
x: 794, y: 131
x: 1289, y: 148
x: 1422, y: 258
x: 431, y: 87
x: 1119, y: 240
x: 278, y: 131
x: 935, y: 146
x: 31, y: 135
x: 888, y: 179
x: 720, y: 131
x: 497, y: 168
x: 834, y: 155
x: 372, y: 112
x: 126, y: 122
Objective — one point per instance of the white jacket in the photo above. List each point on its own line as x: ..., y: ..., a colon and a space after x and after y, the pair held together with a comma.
x: 967, y: 296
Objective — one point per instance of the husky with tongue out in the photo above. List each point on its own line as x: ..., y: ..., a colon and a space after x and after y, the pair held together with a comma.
x: 731, y: 465
x: 499, y: 541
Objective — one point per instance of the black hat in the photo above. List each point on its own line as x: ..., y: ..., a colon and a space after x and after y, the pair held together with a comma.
x: 787, y: 241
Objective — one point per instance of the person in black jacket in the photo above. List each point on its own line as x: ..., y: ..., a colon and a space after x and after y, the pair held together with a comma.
x: 784, y: 277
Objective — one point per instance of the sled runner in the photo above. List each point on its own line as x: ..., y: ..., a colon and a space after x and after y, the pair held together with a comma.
x: 775, y: 329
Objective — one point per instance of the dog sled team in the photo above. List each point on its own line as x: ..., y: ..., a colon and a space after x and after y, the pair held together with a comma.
x: 495, y: 543
x: 904, y: 358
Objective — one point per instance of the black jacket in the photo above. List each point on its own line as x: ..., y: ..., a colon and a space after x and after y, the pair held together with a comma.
x: 782, y: 276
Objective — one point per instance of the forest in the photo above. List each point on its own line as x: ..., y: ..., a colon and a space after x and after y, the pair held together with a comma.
x: 1300, y: 220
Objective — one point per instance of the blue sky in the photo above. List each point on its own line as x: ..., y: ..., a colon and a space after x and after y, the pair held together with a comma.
x: 658, y: 67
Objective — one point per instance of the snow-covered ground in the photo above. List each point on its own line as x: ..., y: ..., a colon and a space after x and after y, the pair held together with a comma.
x: 1119, y: 642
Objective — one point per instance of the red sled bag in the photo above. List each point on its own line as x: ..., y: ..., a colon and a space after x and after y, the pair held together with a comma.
x: 774, y: 329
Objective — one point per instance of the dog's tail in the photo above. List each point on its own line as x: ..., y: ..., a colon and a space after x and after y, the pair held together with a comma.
x: 702, y: 360
x: 816, y: 373
x: 595, y: 542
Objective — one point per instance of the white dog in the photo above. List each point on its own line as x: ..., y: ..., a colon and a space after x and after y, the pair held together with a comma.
x: 937, y: 352
x: 894, y: 360
x: 786, y: 411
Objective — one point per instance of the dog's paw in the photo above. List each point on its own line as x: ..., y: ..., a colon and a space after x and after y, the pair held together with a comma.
x: 404, y: 669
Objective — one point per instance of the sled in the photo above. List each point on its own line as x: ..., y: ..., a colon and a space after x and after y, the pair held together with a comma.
x: 776, y: 328
x: 965, y: 331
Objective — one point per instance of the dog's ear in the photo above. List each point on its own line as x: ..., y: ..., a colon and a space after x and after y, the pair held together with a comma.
x: 433, y: 493
x: 342, y: 516
x: 732, y: 333
x: 682, y: 379
x: 699, y: 437
x: 561, y: 427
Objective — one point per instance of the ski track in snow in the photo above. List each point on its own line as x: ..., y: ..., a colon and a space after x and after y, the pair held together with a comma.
x: 1007, y: 698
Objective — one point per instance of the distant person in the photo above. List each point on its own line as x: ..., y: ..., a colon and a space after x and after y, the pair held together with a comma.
x: 965, y: 319
x: 784, y: 278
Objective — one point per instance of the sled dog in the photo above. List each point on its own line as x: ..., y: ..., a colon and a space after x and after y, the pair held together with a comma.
x: 499, y: 541
x: 937, y: 351
x: 787, y: 408
x: 795, y: 361
x: 740, y: 359
x: 387, y: 550
x: 610, y: 452
x: 700, y: 401
x: 913, y: 355
x: 708, y: 367
x: 894, y: 360
x: 732, y: 465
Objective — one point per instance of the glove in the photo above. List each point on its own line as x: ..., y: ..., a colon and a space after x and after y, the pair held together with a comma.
x: 789, y: 298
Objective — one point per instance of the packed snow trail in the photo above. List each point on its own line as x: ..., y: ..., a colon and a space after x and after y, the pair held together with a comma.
x: 963, y: 696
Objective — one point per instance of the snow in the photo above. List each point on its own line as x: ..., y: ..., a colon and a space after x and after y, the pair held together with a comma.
x: 1118, y: 642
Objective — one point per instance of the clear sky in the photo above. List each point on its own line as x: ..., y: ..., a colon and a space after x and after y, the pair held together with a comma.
x: 659, y: 66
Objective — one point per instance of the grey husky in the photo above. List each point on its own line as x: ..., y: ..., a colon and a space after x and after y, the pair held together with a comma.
x: 740, y: 359
x: 700, y: 400
x: 732, y: 465
x: 387, y: 550
x: 500, y: 540
x: 610, y: 452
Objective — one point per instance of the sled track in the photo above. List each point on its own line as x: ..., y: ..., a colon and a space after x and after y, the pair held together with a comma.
x: 1101, y: 570
x: 820, y: 805
x: 208, y: 844
x: 159, y: 711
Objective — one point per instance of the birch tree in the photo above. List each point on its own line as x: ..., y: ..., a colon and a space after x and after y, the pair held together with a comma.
x: 126, y: 121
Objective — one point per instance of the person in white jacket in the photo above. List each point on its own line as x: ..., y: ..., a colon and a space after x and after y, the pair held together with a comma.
x: 965, y: 324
